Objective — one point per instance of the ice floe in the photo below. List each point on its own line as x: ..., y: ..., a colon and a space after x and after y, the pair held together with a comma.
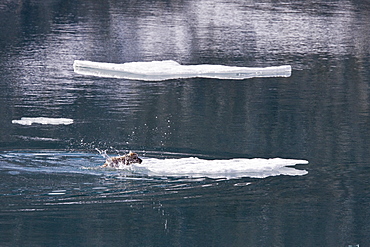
x: 169, y: 69
x: 231, y: 168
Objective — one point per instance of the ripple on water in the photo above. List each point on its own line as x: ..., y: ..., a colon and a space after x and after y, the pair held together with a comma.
x: 51, y: 178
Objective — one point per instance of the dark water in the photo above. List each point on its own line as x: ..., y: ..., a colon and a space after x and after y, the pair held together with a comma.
x: 52, y: 192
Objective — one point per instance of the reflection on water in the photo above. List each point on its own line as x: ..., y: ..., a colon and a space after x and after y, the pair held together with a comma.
x: 51, y: 192
x: 320, y: 114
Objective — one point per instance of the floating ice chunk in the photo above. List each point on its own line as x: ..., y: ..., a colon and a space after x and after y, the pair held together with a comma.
x: 169, y: 69
x: 43, y: 120
x: 233, y: 168
x: 57, y: 192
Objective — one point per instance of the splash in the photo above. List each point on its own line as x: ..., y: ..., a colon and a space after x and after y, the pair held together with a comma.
x: 103, y: 153
x: 193, y: 167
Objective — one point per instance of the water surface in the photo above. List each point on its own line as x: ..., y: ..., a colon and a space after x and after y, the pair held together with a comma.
x: 52, y: 189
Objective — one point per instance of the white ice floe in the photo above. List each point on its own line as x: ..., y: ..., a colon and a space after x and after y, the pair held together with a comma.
x: 232, y: 168
x: 43, y: 120
x: 169, y: 69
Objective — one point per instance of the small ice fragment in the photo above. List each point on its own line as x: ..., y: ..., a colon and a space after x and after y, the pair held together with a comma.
x: 43, y: 120
x: 57, y: 192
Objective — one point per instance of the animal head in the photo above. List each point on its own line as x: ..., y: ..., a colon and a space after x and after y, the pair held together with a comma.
x: 127, y: 159
x: 133, y: 158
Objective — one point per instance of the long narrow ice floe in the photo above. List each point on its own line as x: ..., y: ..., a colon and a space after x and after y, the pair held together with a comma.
x: 43, y: 120
x: 232, y: 168
x: 169, y: 69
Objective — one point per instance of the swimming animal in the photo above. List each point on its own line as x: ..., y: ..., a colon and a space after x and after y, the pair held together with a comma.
x: 127, y: 159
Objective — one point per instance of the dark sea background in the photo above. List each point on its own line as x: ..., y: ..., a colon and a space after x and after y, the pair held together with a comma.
x: 52, y: 191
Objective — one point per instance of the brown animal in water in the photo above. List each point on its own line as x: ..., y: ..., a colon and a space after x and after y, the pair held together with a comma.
x: 127, y: 159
